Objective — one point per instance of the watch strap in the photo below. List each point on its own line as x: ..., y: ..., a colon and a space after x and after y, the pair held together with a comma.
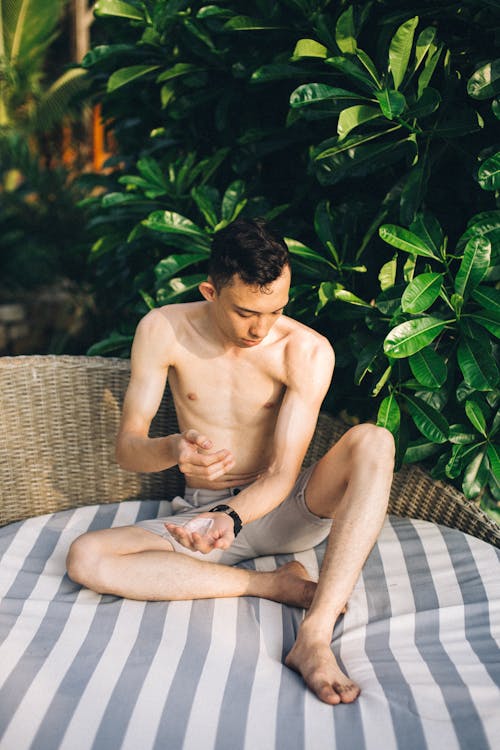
x: 230, y: 512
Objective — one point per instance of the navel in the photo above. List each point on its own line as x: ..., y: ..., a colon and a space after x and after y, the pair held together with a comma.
x: 192, y: 397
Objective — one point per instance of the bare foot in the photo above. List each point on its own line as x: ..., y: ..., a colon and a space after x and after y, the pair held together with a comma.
x: 318, y: 666
x: 292, y: 585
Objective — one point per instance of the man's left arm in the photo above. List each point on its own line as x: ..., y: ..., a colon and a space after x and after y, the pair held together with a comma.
x: 309, y: 374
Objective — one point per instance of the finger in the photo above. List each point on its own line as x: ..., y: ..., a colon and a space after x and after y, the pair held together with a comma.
x: 179, y: 534
x: 195, y: 437
x: 202, y: 544
x: 204, y: 466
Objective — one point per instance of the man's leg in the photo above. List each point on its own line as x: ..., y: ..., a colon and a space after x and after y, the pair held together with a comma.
x: 138, y: 564
x: 350, y: 484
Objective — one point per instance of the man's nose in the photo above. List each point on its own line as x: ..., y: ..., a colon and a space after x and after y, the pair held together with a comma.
x: 259, y: 329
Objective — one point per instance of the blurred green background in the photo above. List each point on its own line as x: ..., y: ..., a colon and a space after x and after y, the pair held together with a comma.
x: 132, y: 131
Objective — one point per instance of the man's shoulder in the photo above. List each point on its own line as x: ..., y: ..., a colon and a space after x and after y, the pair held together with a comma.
x: 305, y: 341
x: 168, y: 318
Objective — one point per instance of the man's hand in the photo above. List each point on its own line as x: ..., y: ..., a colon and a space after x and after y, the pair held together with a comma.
x: 194, y: 459
x: 220, y: 535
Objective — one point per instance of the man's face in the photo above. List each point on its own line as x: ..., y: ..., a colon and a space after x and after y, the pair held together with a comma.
x: 244, y: 313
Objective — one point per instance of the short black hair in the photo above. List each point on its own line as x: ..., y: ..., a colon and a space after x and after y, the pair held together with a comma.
x: 250, y: 249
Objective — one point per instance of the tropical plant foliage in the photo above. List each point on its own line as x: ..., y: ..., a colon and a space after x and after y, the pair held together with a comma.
x: 39, y: 219
x: 366, y: 131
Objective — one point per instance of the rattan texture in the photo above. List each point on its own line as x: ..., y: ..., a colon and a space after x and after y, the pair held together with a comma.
x: 59, y: 416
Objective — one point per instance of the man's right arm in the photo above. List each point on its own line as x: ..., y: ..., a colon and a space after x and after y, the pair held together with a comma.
x: 154, y: 343
x: 135, y: 451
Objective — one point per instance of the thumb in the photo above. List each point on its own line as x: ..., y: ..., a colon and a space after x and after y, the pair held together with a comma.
x: 196, y: 438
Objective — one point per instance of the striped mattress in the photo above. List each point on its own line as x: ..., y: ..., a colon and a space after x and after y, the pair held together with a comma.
x: 81, y: 671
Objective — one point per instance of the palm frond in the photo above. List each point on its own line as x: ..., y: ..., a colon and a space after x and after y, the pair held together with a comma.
x: 28, y: 27
x: 55, y: 102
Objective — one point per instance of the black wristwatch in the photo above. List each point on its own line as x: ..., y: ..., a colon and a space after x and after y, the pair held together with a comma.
x: 230, y: 512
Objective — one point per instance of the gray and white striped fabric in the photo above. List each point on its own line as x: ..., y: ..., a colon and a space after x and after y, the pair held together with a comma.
x: 80, y: 671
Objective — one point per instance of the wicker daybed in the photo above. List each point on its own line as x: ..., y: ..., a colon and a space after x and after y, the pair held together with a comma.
x: 82, y: 671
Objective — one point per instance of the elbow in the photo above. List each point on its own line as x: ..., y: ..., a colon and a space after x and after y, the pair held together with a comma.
x: 121, y: 456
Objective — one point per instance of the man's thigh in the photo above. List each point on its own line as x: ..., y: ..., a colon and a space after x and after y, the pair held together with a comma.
x: 291, y: 527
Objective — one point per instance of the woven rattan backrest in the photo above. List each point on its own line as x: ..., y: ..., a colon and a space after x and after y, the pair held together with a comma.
x: 59, y: 418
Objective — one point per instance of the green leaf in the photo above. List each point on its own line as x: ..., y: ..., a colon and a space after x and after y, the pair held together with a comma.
x: 315, y: 93
x: 387, y: 274
x: 476, y: 475
x: 474, y: 265
x: 489, y: 173
x: 428, y: 103
x: 350, y: 159
x: 428, y: 71
x: 297, y: 248
x: 494, y: 456
x: 429, y: 421
x: 207, y: 199
x: 400, y: 50
x: 392, y: 103
x: 458, y: 453
x: 382, y: 381
x: 233, y: 200
x: 425, y: 42
x: 353, y: 71
x: 178, y: 70
x: 412, y: 336
x: 344, y: 295
x: 405, y: 240
x: 422, y: 292
x: 389, y: 414
x: 428, y: 228
x: 476, y: 416
x: 118, y: 8
x: 366, y: 360
x: 309, y: 48
x: 123, y: 76
x: 170, y: 266
x: 429, y: 368
x: 419, y: 450
x: 323, y: 225
x: 489, y: 320
x: 352, y: 117
x: 389, y: 301
x: 485, y: 82
x: 171, y: 222
x: 246, y: 23
x: 488, y: 298
x: 345, y: 33
x: 113, y: 343
x: 370, y: 68
x: 477, y: 364
x: 460, y: 435
x: 151, y: 171
x: 177, y: 288
x: 413, y: 192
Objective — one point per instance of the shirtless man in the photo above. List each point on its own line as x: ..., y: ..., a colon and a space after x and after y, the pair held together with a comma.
x: 247, y: 383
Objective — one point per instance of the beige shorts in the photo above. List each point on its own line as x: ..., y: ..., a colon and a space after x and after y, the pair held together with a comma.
x: 291, y: 527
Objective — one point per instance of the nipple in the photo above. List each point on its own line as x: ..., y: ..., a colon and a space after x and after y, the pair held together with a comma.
x: 269, y: 405
x: 192, y: 397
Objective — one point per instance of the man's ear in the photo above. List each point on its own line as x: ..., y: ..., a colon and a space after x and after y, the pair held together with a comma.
x: 208, y: 290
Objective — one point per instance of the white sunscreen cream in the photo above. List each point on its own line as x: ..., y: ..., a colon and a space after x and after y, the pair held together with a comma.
x: 199, y: 525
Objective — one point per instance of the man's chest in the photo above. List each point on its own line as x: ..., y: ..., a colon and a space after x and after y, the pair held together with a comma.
x: 228, y: 390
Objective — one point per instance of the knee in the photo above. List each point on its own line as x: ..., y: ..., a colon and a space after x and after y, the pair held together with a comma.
x: 373, y: 444
x: 84, y: 559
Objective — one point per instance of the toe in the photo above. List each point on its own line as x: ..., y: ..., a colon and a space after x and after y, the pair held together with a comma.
x: 327, y: 694
x: 348, y: 691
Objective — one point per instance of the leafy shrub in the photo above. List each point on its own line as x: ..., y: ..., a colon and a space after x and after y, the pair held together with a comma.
x: 353, y: 126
